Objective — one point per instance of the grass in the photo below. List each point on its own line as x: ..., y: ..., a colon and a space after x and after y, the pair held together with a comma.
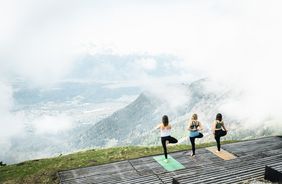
x: 45, y: 170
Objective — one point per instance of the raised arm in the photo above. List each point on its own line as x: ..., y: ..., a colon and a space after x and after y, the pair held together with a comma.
x: 224, y: 127
x: 158, y: 126
x: 213, y: 127
x: 189, y: 125
x: 200, y: 126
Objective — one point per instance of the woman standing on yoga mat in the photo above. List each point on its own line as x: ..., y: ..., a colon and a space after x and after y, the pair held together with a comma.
x: 165, y: 129
x: 194, y: 126
x: 217, y: 127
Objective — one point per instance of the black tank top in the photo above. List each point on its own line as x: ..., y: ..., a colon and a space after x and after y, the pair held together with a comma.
x: 218, y: 124
x: 194, y: 125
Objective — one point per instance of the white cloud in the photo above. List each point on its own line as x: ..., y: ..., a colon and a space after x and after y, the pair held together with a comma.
x: 228, y: 40
x: 174, y: 94
x: 6, y: 97
x: 235, y: 42
x: 35, y: 44
x: 222, y: 38
x: 147, y: 63
x: 52, y: 124
x: 11, y: 124
x: 14, y: 124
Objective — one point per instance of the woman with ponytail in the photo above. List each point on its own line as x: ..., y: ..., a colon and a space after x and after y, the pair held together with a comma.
x: 194, y: 126
x: 219, y: 129
x: 165, y: 130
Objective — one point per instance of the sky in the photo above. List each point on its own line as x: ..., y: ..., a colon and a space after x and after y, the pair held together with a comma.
x: 219, y: 37
x: 235, y: 42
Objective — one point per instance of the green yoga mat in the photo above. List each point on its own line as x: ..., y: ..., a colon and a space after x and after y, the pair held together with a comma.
x: 171, y: 165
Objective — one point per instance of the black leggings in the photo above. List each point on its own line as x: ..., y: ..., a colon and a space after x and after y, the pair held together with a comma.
x: 192, y: 140
x: 217, y: 135
x: 170, y: 140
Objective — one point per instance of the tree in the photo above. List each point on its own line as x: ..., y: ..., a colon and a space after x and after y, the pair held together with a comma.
x: 2, y: 164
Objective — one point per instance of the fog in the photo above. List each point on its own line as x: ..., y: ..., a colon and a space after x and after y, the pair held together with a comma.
x: 235, y: 43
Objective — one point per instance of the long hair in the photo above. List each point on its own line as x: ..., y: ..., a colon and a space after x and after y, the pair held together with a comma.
x: 165, y: 120
x: 219, y: 117
x: 194, y: 117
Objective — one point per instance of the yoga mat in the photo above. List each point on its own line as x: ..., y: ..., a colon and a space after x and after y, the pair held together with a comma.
x: 171, y: 165
x: 225, y: 155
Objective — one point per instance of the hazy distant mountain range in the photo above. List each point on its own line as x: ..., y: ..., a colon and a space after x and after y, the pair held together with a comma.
x: 125, y: 122
x: 133, y: 124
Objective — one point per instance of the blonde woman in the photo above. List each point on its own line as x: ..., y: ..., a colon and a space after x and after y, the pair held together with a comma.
x: 165, y: 129
x: 219, y: 129
x: 194, y: 126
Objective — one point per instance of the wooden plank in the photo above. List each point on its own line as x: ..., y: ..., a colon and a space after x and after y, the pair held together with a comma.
x: 239, y: 172
x: 273, y: 172
x: 205, y: 167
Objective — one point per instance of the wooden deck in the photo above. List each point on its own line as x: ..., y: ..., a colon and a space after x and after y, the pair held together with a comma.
x: 273, y: 172
x: 206, y: 167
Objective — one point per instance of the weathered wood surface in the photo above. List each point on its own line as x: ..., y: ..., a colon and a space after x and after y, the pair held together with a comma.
x: 252, y: 157
x: 273, y: 172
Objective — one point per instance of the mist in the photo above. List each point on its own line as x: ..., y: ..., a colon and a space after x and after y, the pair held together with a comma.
x: 151, y: 46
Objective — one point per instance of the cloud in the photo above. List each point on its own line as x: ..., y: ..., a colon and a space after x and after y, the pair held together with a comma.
x: 15, y: 124
x: 35, y: 45
x: 11, y: 124
x: 52, y: 124
x: 236, y: 43
x: 221, y: 38
x: 147, y: 64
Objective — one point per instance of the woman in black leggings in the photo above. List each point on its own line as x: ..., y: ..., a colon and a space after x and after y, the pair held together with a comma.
x: 194, y: 126
x: 165, y: 129
x: 219, y: 129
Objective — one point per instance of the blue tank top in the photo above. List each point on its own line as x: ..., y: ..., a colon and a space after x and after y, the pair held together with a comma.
x: 194, y: 132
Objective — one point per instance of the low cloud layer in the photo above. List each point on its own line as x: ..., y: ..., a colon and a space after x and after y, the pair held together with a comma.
x: 154, y: 46
x: 11, y: 123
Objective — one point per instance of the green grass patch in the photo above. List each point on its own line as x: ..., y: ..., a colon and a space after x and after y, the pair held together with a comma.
x: 45, y: 170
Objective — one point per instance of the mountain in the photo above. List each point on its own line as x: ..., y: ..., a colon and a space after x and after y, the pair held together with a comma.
x: 122, y: 124
x: 51, y: 116
x: 133, y: 125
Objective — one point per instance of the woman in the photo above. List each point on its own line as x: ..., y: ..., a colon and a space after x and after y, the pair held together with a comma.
x: 165, y: 129
x: 217, y: 127
x: 194, y: 126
